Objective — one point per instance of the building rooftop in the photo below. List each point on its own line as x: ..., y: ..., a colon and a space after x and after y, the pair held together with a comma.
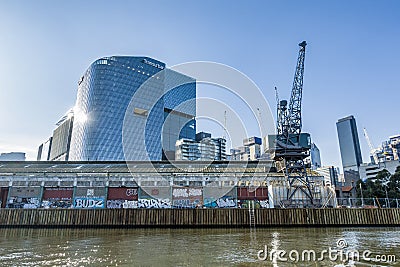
x: 346, y: 118
x: 347, y: 188
x: 7, y: 167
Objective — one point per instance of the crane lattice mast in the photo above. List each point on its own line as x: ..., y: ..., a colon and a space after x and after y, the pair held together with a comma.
x: 291, y: 145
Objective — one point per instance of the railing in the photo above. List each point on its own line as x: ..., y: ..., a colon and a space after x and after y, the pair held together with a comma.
x: 368, y: 202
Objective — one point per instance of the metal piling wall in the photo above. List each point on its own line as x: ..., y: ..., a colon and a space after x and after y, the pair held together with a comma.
x: 177, y: 218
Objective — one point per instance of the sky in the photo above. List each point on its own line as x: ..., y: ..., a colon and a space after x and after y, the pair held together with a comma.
x: 351, y: 67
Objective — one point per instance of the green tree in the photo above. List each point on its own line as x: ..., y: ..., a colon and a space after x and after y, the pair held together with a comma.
x: 382, y: 183
x: 394, y: 184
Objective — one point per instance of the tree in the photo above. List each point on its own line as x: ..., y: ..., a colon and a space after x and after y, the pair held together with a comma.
x: 382, y: 183
x: 394, y: 184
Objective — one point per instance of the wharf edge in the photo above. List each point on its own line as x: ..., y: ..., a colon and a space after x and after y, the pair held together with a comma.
x: 196, y: 218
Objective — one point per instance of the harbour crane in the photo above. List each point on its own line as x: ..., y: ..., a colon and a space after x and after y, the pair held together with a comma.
x: 372, y: 150
x: 289, y: 147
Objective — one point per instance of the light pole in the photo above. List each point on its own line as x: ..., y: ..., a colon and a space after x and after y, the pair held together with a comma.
x: 362, y: 197
x: 387, y: 199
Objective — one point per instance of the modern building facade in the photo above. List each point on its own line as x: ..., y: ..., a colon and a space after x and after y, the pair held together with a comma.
x: 315, y: 157
x: 251, y: 150
x: 212, y: 148
x: 241, y: 153
x: 61, y: 139
x: 389, y: 150
x: 330, y: 173
x: 204, y: 148
x: 369, y: 171
x: 349, y: 148
x: 12, y: 156
x: 127, y: 108
x: 187, y: 149
x: 395, y: 145
x: 44, y: 150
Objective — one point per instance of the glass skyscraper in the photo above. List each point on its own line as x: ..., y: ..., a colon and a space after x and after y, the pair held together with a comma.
x: 315, y: 157
x: 131, y: 108
x: 349, y: 145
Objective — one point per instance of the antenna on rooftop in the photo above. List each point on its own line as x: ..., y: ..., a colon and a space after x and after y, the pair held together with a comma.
x: 225, y: 131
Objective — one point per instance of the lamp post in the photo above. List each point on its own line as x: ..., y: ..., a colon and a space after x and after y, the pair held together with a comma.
x: 387, y: 198
x: 362, y: 197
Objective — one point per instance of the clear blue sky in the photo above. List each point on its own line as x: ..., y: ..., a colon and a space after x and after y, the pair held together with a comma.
x: 352, y: 62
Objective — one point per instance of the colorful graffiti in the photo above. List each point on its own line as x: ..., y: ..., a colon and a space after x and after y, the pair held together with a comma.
x: 133, y: 197
x: 89, y: 203
x: 133, y: 204
x: 122, y: 204
x: 226, y: 202
x: 23, y: 203
x: 187, y: 197
x: 264, y: 204
x: 57, y: 197
x: 115, y: 204
x: 223, y: 202
x: 257, y: 203
x: 53, y: 204
x: 154, y: 203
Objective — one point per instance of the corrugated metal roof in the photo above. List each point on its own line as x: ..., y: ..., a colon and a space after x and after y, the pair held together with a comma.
x: 134, y: 167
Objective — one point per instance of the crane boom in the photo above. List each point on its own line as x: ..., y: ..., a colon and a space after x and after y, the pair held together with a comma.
x: 371, y: 146
x: 372, y: 149
x: 297, y: 92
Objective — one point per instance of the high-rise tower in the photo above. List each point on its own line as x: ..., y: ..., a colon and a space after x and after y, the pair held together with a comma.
x: 104, y: 93
x: 349, y: 143
x: 349, y: 147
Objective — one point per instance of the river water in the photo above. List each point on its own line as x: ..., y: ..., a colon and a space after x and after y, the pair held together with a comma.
x: 199, y: 247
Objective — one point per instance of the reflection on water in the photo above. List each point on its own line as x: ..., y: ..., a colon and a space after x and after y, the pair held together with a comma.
x: 185, y: 247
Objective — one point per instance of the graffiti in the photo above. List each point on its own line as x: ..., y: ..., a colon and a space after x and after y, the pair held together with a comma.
x: 131, y: 192
x: 186, y: 203
x: 223, y: 202
x: 264, y: 203
x: 122, y: 193
x: 154, y: 203
x: 48, y: 204
x: 30, y: 206
x: 187, y: 197
x: 180, y: 192
x: 121, y: 204
x: 114, y: 204
x: 90, y: 192
x: 195, y: 192
x: 130, y: 204
x: 186, y: 192
x: 89, y: 203
x: 226, y: 202
x: 210, y: 203
x: 257, y: 203
x: 23, y: 203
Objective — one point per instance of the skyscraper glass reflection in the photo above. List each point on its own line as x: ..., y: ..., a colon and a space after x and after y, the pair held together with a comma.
x: 349, y: 143
x: 159, y: 116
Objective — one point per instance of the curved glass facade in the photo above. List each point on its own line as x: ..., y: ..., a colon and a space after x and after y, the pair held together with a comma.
x: 104, y: 93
